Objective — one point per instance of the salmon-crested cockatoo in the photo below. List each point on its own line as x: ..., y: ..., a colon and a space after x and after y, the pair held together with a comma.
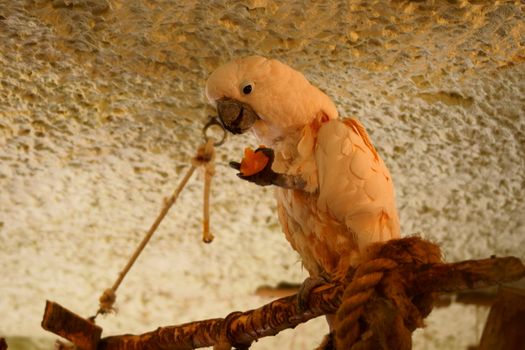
x: 334, y: 194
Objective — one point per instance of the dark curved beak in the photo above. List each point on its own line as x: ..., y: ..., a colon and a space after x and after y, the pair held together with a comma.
x: 237, y: 117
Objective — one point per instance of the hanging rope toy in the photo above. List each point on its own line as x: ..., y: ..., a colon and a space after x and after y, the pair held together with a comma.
x: 204, y: 157
x: 86, y: 334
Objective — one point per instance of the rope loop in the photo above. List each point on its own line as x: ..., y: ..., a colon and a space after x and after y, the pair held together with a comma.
x: 214, y: 122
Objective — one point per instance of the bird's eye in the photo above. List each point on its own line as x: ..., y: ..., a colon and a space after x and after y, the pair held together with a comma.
x: 247, y: 88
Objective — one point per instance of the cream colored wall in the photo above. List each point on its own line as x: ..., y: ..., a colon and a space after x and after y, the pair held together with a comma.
x: 101, y: 106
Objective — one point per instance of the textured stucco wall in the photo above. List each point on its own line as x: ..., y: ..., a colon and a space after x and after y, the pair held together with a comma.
x: 101, y: 105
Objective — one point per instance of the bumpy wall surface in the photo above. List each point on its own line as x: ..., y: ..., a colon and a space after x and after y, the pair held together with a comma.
x: 102, y: 105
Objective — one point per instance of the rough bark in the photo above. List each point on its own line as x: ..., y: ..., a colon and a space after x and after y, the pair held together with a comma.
x: 59, y: 320
x: 505, y: 325
x: 3, y: 344
x: 242, y: 328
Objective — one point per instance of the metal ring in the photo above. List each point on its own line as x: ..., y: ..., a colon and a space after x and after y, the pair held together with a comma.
x: 211, y: 122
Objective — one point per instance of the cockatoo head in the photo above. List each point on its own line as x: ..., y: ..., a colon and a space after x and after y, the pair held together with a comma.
x: 267, y: 96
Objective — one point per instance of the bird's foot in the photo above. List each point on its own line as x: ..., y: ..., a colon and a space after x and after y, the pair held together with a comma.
x: 306, y: 289
x: 256, y: 167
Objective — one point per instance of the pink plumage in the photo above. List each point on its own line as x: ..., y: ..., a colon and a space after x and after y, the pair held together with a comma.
x: 341, y: 196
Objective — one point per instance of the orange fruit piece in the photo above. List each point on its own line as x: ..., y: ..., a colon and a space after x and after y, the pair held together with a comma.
x: 253, y: 162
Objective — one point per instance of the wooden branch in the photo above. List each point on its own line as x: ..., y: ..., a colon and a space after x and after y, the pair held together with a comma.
x: 506, y: 321
x: 469, y: 274
x: 61, y: 321
x: 240, y: 329
x: 476, y: 297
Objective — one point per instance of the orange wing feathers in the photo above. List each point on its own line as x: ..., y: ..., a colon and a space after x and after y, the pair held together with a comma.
x: 360, y: 129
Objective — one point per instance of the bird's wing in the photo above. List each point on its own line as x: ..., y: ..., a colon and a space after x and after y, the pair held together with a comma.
x: 355, y: 186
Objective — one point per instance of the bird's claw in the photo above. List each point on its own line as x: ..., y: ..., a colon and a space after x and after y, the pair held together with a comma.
x: 306, y: 289
x: 235, y: 165
x: 264, y: 177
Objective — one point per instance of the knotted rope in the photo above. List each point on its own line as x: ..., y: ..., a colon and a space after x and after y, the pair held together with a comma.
x: 377, y: 310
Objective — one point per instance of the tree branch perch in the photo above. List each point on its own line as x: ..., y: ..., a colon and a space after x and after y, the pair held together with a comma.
x: 240, y: 329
